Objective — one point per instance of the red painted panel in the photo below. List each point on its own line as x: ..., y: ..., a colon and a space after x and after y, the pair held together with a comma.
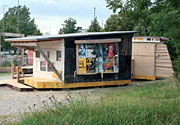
x: 30, y: 57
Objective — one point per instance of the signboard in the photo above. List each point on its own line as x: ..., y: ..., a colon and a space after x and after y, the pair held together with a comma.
x: 82, y: 65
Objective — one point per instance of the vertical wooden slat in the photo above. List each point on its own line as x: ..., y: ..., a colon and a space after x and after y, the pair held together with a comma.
x: 0, y: 50
x: 77, y: 58
x: 18, y: 73
x: 12, y: 70
x: 22, y: 56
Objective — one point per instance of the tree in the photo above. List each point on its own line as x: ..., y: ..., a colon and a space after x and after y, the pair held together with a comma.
x: 167, y: 23
x: 27, y: 25
x: 155, y: 18
x: 69, y: 26
x: 137, y: 11
x: 118, y: 22
x: 94, y: 27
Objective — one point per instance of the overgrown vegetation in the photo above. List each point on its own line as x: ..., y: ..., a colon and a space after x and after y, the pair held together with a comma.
x: 6, y: 64
x: 157, y: 103
x: 150, y: 18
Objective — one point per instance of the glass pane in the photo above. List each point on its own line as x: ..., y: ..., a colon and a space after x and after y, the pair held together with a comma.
x: 43, y: 65
x: 58, y: 54
x: 50, y: 69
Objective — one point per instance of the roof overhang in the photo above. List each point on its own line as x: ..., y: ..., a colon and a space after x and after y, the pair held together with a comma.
x: 30, y: 42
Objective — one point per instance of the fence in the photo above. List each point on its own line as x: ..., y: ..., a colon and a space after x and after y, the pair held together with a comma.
x: 8, y: 58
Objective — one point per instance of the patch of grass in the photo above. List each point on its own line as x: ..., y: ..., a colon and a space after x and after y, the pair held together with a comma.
x: 4, y: 74
x: 6, y: 64
x: 157, y: 103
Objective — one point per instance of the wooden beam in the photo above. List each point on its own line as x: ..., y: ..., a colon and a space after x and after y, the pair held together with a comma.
x: 17, y: 55
x: 24, y: 44
x: 11, y: 34
x: 98, y: 41
x: 49, y: 62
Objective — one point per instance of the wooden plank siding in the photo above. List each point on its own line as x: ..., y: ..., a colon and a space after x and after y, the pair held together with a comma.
x: 163, y: 64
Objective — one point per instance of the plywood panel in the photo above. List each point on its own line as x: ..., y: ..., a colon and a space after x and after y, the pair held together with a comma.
x: 146, y: 49
x: 160, y: 45
x: 163, y: 65
x: 163, y: 61
x: 164, y: 73
x: 162, y: 56
x: 144, y: 66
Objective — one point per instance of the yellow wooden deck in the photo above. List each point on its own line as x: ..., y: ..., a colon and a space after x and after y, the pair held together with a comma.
x: 41, y: 83
x: 145, y: 77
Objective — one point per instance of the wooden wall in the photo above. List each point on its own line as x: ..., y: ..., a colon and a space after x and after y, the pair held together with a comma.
x: 124, y: 60
x: 151, y: 60
x: 163, y: 64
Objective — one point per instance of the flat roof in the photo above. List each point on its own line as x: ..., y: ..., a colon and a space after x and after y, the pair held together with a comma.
x: 61, y: 36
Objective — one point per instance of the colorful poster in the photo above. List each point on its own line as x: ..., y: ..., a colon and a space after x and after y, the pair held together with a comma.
x: 82, y: 50
x: 90, y: 50
x: 108, y: 65
x: 91, y: 65
x: 82, y: 65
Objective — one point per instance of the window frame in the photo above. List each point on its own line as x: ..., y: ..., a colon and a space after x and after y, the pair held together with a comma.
x: 42, y: 67
x: 58, y: 58
x: 99, y: 43
x: 37, y: 54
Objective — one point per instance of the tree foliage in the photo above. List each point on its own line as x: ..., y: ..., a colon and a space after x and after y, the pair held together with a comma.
x: 94, y: 27
x: 27, y: 25
x: 69, y: 26
x: 152, y: 17
x: 119, y: 22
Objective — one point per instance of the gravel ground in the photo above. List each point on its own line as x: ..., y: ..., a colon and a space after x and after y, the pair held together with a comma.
x: 13, y: 103
x: 5, y: 77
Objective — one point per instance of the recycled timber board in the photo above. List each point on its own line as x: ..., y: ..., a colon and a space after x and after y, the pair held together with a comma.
x: 145, y: 77
x: 41, y: 83
x: 144, y: 66
x: 12, y: 83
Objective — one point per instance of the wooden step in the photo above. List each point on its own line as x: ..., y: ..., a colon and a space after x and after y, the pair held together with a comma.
x: 12, y: 83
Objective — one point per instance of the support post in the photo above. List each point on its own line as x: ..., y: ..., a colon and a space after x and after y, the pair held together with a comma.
x: 18, y: 73
x: 0, y: 50
x: 22, y: 56
x: 47, y: 59
x: 12, y: 69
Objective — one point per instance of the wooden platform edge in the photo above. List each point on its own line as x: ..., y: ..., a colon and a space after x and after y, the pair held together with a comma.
x: 16, y: 88
x: 38, y: 84
x: 145, y: 77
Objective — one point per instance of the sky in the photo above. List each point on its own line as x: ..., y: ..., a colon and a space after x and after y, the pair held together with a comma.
x: 50, y: 14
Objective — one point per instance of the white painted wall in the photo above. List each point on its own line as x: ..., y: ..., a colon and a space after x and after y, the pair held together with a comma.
x: 52, y: 47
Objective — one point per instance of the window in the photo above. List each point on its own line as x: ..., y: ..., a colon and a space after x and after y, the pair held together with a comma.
x: 47, y: 53
x: 58, y: 55
x: 42, y: 65
x: 97, y: 58
x: 37, y: 54
x: 50, y: 69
